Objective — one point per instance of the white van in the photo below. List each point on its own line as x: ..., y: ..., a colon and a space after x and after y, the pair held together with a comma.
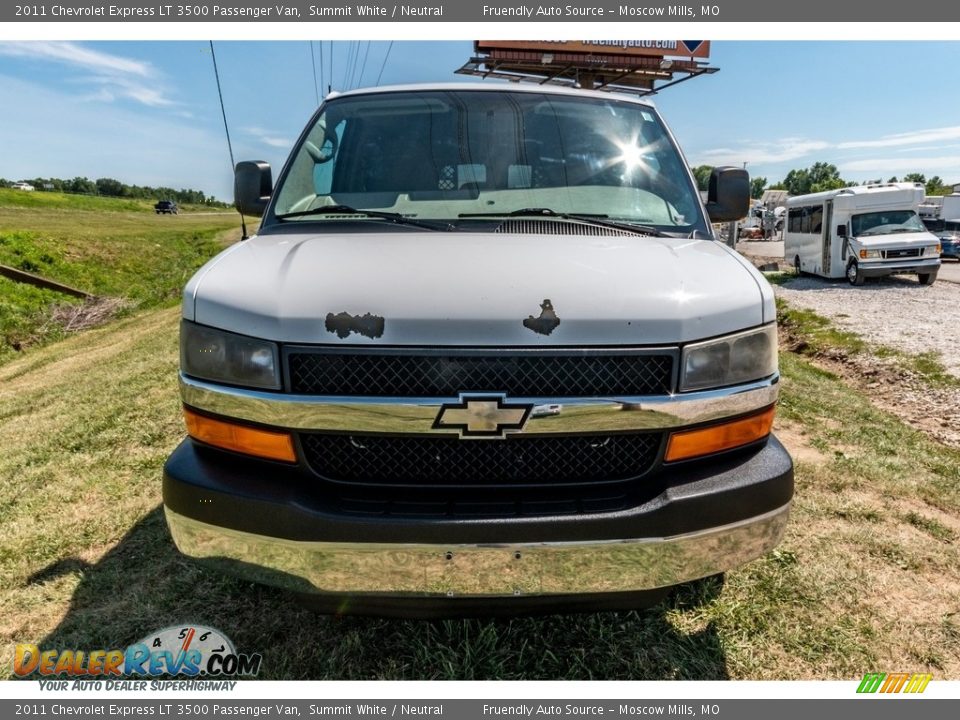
x: 484, y: 355
x: 861, y: 232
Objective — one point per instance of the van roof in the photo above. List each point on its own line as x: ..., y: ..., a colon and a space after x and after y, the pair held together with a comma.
x: 862, y: 190
x: 495, y: 87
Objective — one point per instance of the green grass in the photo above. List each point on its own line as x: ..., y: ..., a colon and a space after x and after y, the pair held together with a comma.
x: 866, y: 577
x: 779, y: 277
x: 69, y: 201
x: 126, y: 253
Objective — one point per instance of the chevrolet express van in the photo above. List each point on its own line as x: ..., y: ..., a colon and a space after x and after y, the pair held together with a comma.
x: 483, y: 355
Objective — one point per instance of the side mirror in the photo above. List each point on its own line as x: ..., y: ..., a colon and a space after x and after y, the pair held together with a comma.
x: 252, y: 186
x: 841, y: 231
x: 728, y: 197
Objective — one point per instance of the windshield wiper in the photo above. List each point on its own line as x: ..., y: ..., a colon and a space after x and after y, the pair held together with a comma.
x: 378, y: 214
x: 588, y: 218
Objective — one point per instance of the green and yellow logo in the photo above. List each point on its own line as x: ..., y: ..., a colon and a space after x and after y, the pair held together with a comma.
x: 894, y: 682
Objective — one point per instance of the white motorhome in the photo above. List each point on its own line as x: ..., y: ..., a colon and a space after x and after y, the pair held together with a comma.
x: 861, y: 232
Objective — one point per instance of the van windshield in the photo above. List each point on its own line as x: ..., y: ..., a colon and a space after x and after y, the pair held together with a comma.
x: 886, y: 222
x: 450, y: 155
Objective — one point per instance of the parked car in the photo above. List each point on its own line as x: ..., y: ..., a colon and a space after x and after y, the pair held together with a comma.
x: 949, y: 239
x: 23, y: 186
x: 166, y: 207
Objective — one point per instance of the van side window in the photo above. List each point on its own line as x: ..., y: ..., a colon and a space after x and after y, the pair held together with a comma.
x: 816, y: 219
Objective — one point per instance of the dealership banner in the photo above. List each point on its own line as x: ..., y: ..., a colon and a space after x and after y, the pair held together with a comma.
x: 609, y: 11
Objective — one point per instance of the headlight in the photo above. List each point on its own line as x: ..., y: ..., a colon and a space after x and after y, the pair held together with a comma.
x: 730, y: 360
x: 866, y: 254
x: 212, y: 354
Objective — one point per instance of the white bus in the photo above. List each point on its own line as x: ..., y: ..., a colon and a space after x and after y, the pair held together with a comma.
x: 861, y: 232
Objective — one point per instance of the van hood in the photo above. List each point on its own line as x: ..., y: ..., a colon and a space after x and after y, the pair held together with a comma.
x: 893, y: 240
x: 478, y: 289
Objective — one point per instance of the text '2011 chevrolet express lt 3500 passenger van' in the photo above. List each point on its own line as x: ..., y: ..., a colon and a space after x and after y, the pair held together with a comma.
x: 484, y: 355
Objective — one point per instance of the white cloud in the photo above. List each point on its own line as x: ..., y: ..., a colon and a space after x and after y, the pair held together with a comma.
x: 119, y: 77
x: 897, y: 165
x: 76, y: 55
x: 908, y: 146
x: 762, y: 153
x: 267, y: 137
x: 916, y: 137
x: 927, y: 148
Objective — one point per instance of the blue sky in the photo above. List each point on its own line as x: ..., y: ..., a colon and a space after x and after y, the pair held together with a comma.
x: 147, y: 112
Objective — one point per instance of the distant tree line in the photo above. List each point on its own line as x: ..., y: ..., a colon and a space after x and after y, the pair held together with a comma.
x: 819, y: 177
x: 108, y: 187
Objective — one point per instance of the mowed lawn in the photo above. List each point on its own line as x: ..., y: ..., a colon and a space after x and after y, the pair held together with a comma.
x: 867, y: 578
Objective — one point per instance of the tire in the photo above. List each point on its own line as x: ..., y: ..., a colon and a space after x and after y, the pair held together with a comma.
x: 854, y: 276
x: 927, y: 278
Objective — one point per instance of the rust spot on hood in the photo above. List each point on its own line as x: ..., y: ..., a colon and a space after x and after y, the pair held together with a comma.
x: 344, y: 323
x: 546, y: 323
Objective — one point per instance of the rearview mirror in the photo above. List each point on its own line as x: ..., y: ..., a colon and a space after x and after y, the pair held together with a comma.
x: 728, y: 197
x: 252, y: 186
x: 841, y: 231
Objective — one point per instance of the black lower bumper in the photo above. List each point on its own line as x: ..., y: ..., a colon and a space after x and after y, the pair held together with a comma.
x: 273, y: 500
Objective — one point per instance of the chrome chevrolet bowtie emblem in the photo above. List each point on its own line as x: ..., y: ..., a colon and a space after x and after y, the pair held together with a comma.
x: 482, y: 417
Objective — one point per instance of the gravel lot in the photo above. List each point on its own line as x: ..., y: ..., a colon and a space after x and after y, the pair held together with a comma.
x: 896, y: 312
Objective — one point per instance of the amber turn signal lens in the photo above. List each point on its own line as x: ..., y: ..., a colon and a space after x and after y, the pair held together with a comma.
x: 716, y: 438
x: 239, y: 438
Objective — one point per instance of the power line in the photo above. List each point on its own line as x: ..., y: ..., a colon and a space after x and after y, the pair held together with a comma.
x: 321, y: 69
x: 389, y: 48
x: 364, y: 65
x: 346, y: 69
x: 353, y: 64
x: 313, y: 61
x: 226, y: 130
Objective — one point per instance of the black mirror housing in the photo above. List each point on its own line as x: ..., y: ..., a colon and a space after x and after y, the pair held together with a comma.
x: 841, y: 231
x: 728, y: 197
x: 252, y: 186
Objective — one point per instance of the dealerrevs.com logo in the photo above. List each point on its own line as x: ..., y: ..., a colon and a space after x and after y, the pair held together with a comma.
x: 186, y: 650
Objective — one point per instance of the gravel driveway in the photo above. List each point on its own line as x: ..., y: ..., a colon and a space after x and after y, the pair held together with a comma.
x: 896, y: 312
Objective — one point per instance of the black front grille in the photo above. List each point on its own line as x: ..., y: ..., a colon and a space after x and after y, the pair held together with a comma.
x: 910, y: 252
x: 447, y: 476
x: 426, y: 375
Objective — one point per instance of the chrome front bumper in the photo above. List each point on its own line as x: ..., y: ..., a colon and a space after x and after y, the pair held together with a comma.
x: 417, y: 415
x: 880, y: 267
x: 480, y: 570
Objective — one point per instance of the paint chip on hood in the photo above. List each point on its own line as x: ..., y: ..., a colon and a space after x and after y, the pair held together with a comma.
x: 546, y: 323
